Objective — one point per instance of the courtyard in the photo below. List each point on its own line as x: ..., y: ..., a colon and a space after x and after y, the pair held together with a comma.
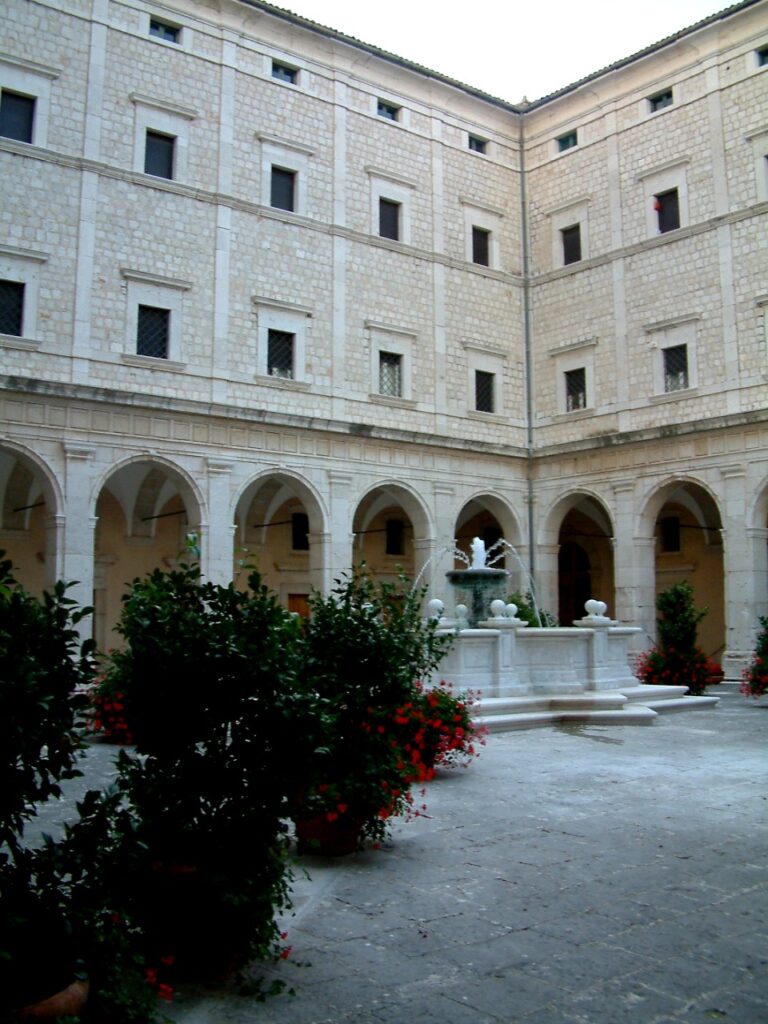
x: 575, y: 875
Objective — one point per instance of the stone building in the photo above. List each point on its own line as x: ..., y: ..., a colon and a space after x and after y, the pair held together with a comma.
x: 270, y: 285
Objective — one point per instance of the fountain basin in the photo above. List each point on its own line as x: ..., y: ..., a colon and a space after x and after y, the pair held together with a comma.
x: 476, y: 588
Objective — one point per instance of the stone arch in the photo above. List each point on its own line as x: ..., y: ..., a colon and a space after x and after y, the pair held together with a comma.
x: 392, y: 530
x: 489, y: 516
x: 31, y: 504
x: 145, y: 509
x: 579, y: 526
x: 683, y: 515
x: 280, y: 526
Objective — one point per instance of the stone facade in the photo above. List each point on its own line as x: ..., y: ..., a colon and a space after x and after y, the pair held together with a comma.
x: 327, y: 392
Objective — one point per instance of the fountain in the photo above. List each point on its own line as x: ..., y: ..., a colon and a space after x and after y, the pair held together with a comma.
x: 479, y: 584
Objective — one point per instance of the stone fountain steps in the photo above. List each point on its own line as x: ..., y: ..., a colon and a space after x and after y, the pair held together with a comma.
x: 639, y: 705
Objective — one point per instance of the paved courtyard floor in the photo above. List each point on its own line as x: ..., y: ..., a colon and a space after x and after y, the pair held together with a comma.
x: 575, y: 875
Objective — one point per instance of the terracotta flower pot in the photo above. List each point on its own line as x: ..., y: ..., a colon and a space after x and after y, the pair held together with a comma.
x: 71, y: 1001
x: 335, y: 838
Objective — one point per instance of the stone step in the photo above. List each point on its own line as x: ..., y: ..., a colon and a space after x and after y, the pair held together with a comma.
x: 668, y: 705
x: 634, y: 715
x: 550, y: 702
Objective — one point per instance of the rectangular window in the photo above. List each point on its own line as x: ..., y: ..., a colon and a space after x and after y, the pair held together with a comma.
x: 163, y: 30
x: 153, y: 331
x: 280, y: 354
x: 477, y: 145
x: 762, y: 56
x: 283, y: 189
x: 17, y: 116
x: 158, y: 154
x: 299, y: 531
x: 391, y: 374
x: 284, y: 73
x: 388, y: 110
x: 11, y: 308
x: 576, y: 389
x: 484, y: 391
x: 660, y: 100
x: 669, y: 534
x: 567, y: 141
x: 676, y: 368
x: 394, y: 539
x: 571, y: 237
x: 389, y: 219
x: 481, y: 246
x: 667, y: 207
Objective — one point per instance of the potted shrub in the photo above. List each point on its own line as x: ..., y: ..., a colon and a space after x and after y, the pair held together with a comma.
x: 361, y: 740
x: 204, y: 672
x: 676, y: 659
x: 43, y: 667
x: 754, y: 678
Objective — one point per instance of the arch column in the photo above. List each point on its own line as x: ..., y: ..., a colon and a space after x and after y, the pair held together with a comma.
x: 547, y: 576
x: 746, y: 593
x: 54, y: 549
x: 217, y: 553
x: 77, y: 543
x: 626, y: 602
x: 340, y: 548
x: 642, y: 585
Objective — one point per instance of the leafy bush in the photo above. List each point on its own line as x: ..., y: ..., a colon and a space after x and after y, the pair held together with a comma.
x: 675, y: 659
x: 754, y: 678
x: 526, y: 610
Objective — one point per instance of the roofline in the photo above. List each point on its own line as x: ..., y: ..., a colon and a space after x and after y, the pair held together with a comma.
x: 516, y: 108
x: 727, y: 12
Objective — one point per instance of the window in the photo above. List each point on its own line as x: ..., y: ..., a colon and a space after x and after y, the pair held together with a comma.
x: 676, y: 368
x: 576, y: 389
x: 481, y: 246
x: 153, y: 331
x: 567, y: 141
x: 762, y: 56
x: 283, y: 189
x: 284, y: 73
x: 571, y: 237
x: 299, y: 531
x: 163, y: 30
x: 395, y: 531
x: 660, y: 100
x: 387, y: 110
x: 17, y: 116
x: 12, y: 308
x: 280, y: 354
x: 159, y: 154
x: 669, y: 534
x: 477, y: 145
x: 389, y: 219
x: 667, y: 207
x: 391, y: 374
x: 484, y: 391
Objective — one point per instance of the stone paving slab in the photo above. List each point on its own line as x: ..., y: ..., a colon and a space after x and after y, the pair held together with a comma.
x: 573, y: 875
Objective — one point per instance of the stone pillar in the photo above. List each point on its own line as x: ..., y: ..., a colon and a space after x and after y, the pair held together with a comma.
x: 341, y: 556
x: 746, y: 573
x: 642, y: 577
x: 217, y: 551
x: 625, y: 601
x: 547, y: 594
x: 77, y: 542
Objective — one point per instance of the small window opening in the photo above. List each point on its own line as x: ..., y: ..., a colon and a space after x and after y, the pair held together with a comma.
x: 282, y: 194
x: 17, y: 116
x: 153, y: 332
x: 389, y: 219
x: 660, y: 100
x: 676, y: 368
x: 390, y: 374
x: 575, y: 389
x: 285, y: 73
x: 567, y: 141
x: 478, y: 145
x: 571, y: 237
x: 158, y: 155
x: 481, y: 246
x: 667, y: 207
x: 484, y: 391
x: 280, y: 354
x: 162, y: 30
x: 299, y: 531
x: 388, y: 110
x: 395, y: 535
x: 669, y: 534
x: 762, y: 56
x: 11, y: 308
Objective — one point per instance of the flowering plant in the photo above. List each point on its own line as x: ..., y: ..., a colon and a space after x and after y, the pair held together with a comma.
x: 754, y: 678
x: 676, y: 660
x: 368, y: 732
x: 106, y: 714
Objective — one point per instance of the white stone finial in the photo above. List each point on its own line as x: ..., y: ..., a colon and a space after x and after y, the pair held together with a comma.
x: 435, y: 608
x: 595, y: 609
x: 511, y: 611
x: 478, y: 553
x: 499, y: 609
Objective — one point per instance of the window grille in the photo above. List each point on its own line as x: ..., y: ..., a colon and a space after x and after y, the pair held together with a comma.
x: 11, y: 308
x: 283, y: 189
x: 280, y: 354
x: 676, y: 368
x: 158, y: 155
x: 153, y: 332
x: 389, y: 219
x: 390, y: 374
x: 575, y: 389
x: 477, y: 145
x: 571, y: 244
x: 17, y: 116
x: 480, y: 246
x: 483, y: 391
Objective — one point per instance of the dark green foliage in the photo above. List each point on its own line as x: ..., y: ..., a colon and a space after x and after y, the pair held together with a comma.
x: 676, y: 660
x: 527, y: 611
x: 42, y: 664
x: 754, y: 679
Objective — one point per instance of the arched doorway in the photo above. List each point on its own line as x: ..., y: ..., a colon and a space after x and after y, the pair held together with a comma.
x: 488, y: 517
x: 585, y: 557
x: 278, y: 521
x: 145, y: 511
x: 27, y: 505
x: 689, y: 548
x: 390, y: 530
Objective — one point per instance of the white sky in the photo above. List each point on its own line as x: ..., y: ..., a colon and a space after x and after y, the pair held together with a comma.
x: 509, y: 48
